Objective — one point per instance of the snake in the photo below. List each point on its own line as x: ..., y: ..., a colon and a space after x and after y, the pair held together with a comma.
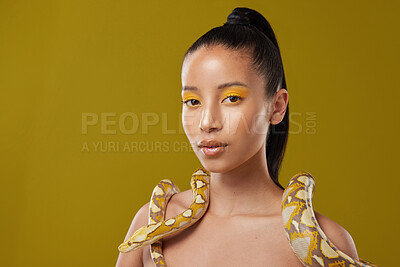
x: 306, y: 238
x: 164, y: 190
x: 159, y: 228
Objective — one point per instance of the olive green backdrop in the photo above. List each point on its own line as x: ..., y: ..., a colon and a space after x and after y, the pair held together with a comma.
x: 90, y: 117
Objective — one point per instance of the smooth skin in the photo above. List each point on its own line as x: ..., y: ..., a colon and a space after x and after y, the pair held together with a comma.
x: 243, y: 224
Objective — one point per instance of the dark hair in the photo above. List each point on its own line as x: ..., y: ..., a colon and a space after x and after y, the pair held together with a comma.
x: 247, y: 30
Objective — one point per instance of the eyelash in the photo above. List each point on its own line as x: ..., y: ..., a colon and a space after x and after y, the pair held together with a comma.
x: 232, y: 95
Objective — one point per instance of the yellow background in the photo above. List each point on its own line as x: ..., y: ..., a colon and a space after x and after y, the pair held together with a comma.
x: 60, y: 60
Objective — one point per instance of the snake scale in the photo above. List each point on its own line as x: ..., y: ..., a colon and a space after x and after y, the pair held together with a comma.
x: 305, y: 236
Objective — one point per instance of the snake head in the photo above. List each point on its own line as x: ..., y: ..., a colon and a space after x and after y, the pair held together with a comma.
x: 126, y: 247
x: 139, y: 238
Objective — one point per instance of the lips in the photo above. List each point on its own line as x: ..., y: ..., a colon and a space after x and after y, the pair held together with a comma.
x: 212, y: 147
x: 211, y: 143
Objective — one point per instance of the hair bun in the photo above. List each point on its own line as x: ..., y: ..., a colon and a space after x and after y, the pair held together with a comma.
x: 250, y: 17
x: 237, y: 19
x: 240, y: 15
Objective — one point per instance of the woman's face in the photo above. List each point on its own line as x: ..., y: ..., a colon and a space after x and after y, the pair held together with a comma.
x: 224, y: 100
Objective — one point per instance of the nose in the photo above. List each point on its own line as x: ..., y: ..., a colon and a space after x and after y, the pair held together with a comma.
x: 209, y: 121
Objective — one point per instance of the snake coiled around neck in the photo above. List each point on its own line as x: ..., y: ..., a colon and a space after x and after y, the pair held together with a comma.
x: 306, y: 238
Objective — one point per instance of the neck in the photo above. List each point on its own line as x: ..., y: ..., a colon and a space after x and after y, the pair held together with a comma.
x: 245, y: 190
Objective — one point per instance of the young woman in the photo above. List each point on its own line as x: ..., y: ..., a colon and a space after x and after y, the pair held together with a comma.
x: 234, y: 99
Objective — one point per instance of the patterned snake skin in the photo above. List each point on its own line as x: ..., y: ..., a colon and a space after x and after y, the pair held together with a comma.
x: 164, y: 190
x: 306, y: 238
x: 308, y: 241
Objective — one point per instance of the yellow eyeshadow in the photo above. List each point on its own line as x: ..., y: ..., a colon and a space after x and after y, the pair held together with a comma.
x: 237, y: 91
x: 187, y: 96
x: 231, y: 91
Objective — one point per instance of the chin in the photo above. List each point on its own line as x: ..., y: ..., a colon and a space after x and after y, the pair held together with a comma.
x: 217, y: 165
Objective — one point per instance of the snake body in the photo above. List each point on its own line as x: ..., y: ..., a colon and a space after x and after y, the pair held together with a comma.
x: 156, y: 230
x: 305, y: 236
x: 164, y: 190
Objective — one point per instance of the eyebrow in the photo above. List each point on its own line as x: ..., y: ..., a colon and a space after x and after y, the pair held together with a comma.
x: 221, y: 86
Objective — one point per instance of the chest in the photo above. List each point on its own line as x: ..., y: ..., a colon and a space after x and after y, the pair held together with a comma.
x: 238, y: 242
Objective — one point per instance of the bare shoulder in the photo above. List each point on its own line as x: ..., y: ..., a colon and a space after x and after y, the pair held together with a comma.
x: 178, y: 203
x: 134, y: 258
x: 339, y: 236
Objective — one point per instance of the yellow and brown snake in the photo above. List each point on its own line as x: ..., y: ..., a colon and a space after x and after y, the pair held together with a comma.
x: 306, y: 238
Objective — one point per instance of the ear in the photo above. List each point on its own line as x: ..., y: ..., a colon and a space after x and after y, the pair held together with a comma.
x: 278, y: 106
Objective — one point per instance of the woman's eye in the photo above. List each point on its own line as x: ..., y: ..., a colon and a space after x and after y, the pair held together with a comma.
x: 233, y: 98
x: 191, y: 102
x: 229, y: 99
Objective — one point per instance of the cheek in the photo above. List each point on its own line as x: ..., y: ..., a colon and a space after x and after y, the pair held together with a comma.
x: 251, y: 123
x: 260, y: 124
x: 248, y: 131
x: 189, y: 123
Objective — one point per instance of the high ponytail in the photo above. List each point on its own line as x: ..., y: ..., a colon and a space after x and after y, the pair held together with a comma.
x: 248, y: 30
